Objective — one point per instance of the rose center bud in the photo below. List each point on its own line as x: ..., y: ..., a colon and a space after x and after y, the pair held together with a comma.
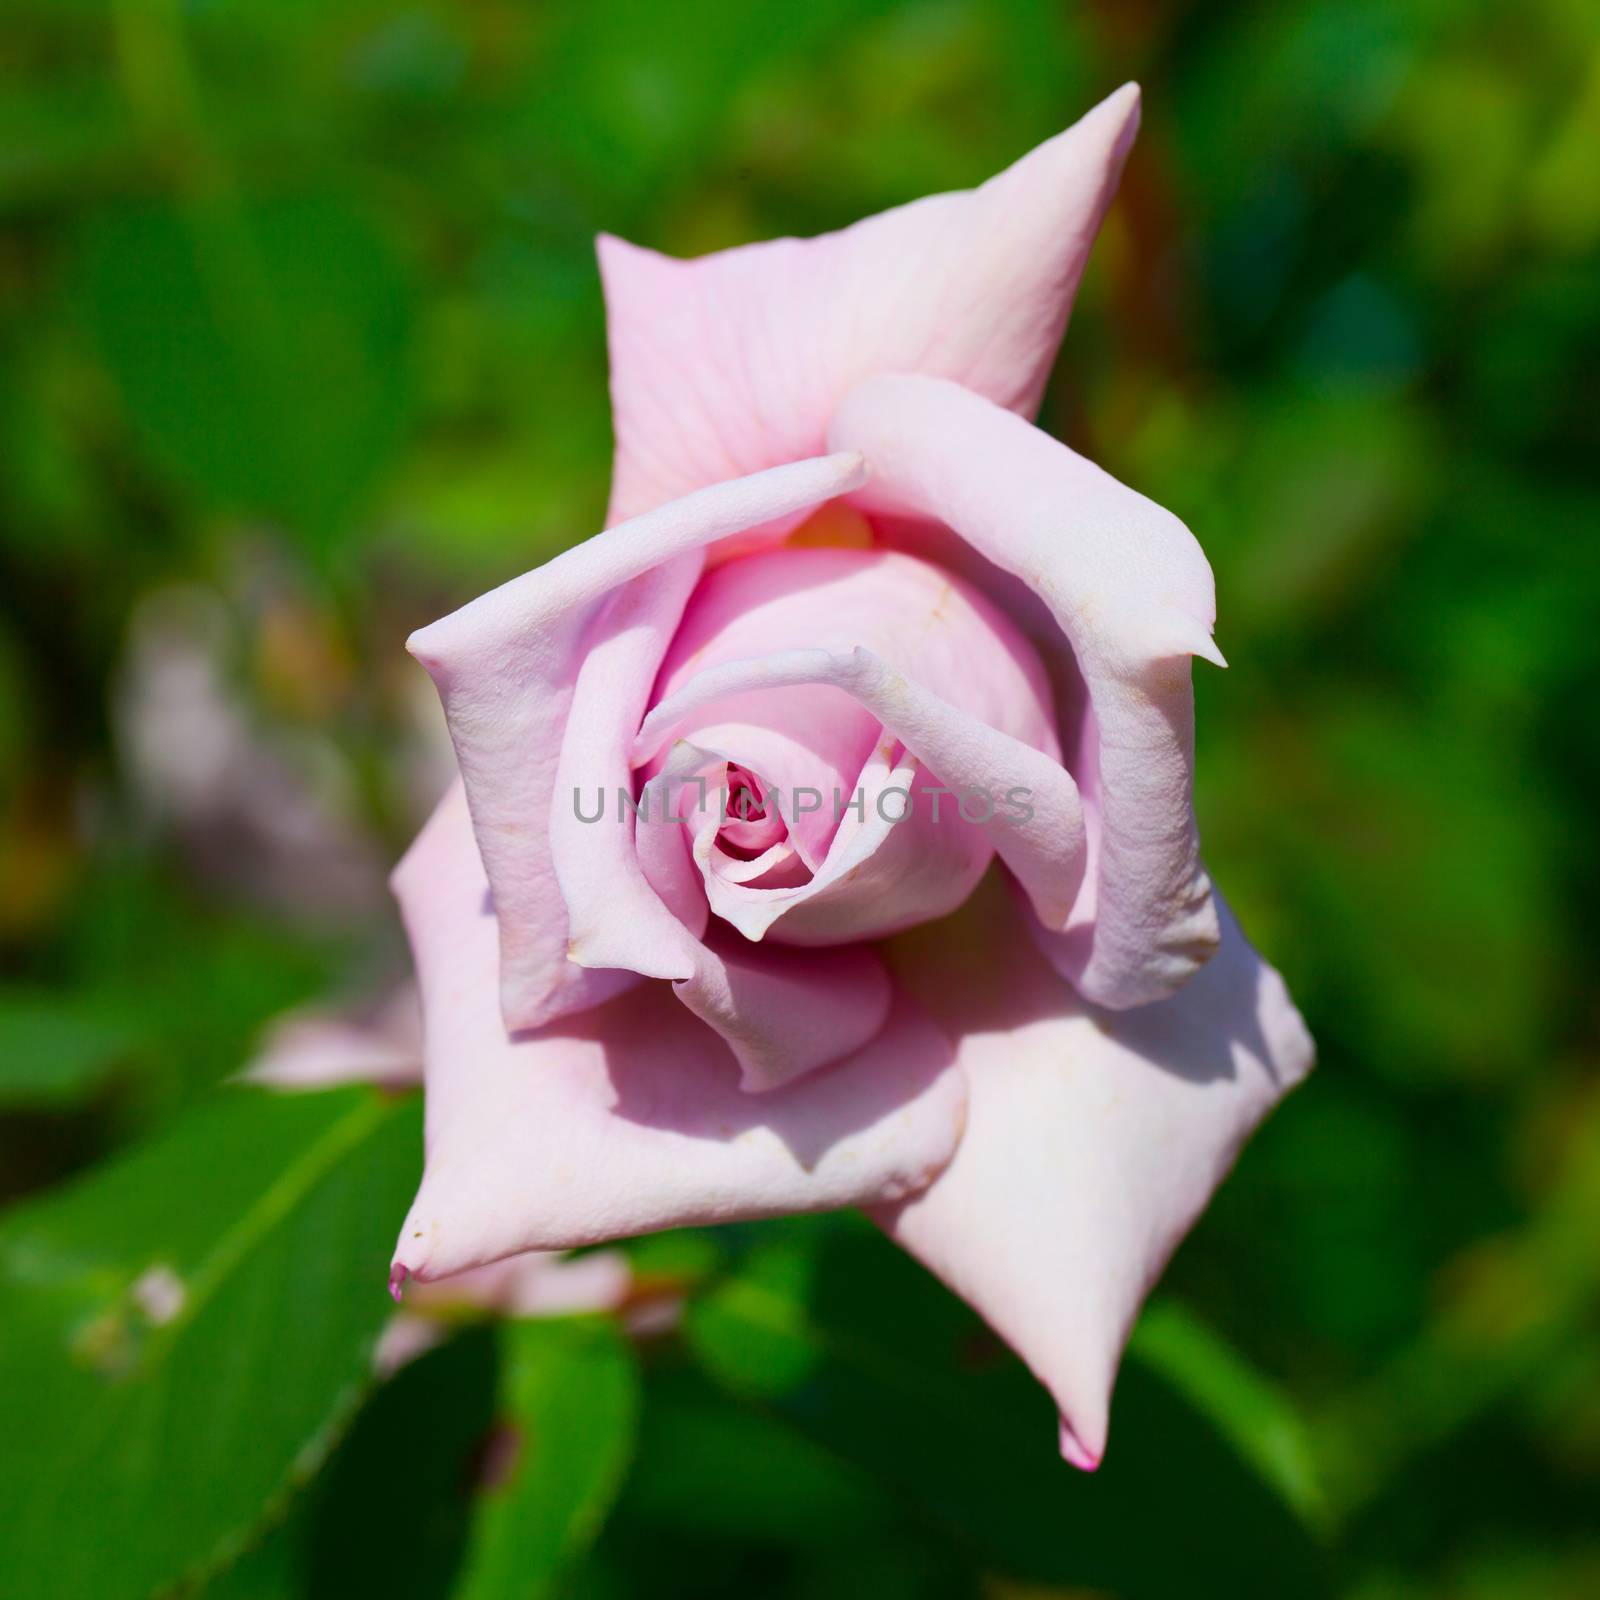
x: 829, y: 828
x: 750, y: 825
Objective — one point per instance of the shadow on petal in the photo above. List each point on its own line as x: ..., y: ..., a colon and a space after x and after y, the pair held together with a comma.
x: 663, y: 1070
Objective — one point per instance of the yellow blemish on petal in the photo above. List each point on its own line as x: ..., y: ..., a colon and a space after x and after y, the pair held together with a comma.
x: 833, y: 526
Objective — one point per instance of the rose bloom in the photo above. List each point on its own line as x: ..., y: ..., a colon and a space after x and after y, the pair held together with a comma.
x: 839, y: 558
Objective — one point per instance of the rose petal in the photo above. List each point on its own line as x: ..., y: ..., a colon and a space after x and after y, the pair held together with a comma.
x: 1132, y: 592
x: 890, y: 866
x: 616, y: 916
x: 735, y: 361
x: 312, y: 1050
x: 671, y: 809
x: 1044, y: 845
x: 1094, y: 1138
x: 785, y: 1013
x: 926, y: 623
x: 505, y: 666
x: 824, y: 739
x: 987, y: 724
x: 630, y: 1118
x: 782, y: 1013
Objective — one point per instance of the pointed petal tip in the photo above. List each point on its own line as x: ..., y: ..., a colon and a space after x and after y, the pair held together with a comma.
x: 840, y: 472
x: 592, y: 950
x: 1121, y: 109
x: 423, y: 646
x: 397, y: 1281
x: 856, y: 470
x: 614, y: 254
x: 1074, y: 1452
x: 753, y: 1081
x: 1187, y: 636
x: 1101, y: 138
x: 1166, y: 635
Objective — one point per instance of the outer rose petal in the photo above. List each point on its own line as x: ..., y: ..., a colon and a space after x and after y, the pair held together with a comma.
x: 1094, y: 1139
x: 505, y: 667
x: 630, y: 1118
x: 735, y: 361
x: 1132, y: 592
x: 785, y: 1013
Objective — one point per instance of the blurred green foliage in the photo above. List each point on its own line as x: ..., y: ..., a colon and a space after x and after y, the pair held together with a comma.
x: 301, y: 344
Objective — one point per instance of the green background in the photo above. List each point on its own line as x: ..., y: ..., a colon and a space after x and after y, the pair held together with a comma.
x: 301, y: 345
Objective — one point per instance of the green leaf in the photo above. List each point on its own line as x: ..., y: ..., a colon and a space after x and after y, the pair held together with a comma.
x: 270, y: 1570
x: 186, y: 1330
x: 709, y: 1466
x: 412, y: 1456
x: 262, y: 352
x: 390, y: 1513
x: 877, y: 1363
x: 196, y: 983
x: 55, y: 1053
x: 569, y: 1403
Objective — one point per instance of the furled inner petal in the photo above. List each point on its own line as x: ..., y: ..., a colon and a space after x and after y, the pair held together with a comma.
x: 633, y: 903
x: 753, y: 824
x: 803, y: 639
x: 923, y: 621
x: 799, y: 752
x: 1132, y: 594
x: 1021, y: 799
x: 505, y: 667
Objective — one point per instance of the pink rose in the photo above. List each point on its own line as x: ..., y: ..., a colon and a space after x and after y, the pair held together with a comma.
x: 322, y: 1050
x: 842, y: 563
